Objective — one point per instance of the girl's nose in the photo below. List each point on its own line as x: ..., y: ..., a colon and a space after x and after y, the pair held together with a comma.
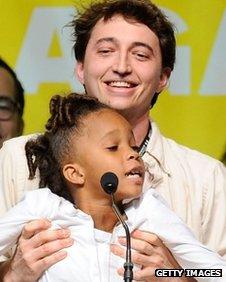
x: 133, y: 155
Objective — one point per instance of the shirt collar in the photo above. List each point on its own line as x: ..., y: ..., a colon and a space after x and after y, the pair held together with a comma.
x: 144, y: 144
x: 155, y: 148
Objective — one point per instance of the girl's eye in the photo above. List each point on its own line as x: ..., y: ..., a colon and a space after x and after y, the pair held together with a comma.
x: 112, y: 148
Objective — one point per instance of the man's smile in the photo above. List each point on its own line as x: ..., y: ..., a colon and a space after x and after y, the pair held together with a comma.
x: 121, y: 84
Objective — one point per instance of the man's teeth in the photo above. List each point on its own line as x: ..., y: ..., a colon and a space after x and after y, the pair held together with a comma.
x: 120, y: 84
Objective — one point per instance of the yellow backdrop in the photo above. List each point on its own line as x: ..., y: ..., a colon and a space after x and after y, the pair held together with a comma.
x: 193, y: 111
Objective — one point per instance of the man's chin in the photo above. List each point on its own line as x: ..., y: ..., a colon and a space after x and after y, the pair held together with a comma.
x: 119, y: 106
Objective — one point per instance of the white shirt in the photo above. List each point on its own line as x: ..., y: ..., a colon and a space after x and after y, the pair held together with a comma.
x: 85, y: 258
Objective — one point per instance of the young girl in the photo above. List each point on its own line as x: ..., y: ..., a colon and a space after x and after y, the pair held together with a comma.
x: 83, y: 140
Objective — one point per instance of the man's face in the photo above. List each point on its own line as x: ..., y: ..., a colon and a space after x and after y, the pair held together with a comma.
x: 123, y: 66
x: 107, y: 144
x: 13, y: 126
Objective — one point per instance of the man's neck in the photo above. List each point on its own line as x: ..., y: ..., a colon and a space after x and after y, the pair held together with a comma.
x: 140, y: 128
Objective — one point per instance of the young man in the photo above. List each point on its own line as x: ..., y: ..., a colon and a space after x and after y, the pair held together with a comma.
x: 126, y: 70
x: 126, y: 61
x: 11, y: 103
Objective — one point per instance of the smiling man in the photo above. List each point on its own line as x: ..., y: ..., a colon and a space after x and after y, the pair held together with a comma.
x: 124, y: 72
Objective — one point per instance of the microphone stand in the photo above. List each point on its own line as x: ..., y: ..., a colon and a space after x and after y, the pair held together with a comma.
x: 128, y: 265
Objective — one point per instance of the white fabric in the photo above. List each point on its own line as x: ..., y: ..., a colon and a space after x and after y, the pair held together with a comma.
x: 84, y: 262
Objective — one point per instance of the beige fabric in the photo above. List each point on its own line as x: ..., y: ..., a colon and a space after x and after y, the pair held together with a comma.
x: 14, y: 175
x: 193, y: 184
x: 14, y: 172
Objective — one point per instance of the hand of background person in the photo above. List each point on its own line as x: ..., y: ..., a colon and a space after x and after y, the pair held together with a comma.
x: 150, y: 253
x: 38, y: 248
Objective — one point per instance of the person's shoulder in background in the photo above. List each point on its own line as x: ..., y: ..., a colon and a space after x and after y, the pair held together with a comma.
x: 14, y: 172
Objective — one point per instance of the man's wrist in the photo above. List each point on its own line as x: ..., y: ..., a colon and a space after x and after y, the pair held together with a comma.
x: 5, y: 271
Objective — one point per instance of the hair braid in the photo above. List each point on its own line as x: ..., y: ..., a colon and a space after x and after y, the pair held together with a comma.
x: 51, y: 150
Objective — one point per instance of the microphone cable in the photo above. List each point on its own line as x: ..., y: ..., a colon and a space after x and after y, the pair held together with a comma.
x: 109, y: 183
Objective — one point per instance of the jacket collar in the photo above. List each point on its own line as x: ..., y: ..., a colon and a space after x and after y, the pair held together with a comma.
x: 154, y: 156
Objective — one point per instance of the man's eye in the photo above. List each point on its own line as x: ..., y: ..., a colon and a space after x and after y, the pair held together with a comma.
x: 141, y: 56
x: 113, y: 148
x: 105, y: 51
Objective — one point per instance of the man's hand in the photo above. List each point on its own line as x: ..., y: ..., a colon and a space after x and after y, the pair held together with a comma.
x: 38, y: 248
x: 150, y: 253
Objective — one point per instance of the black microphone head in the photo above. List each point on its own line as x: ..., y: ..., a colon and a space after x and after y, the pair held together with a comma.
x: 109, y: 182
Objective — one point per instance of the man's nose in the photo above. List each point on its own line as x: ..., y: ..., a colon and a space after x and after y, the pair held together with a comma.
x: 122, y: 65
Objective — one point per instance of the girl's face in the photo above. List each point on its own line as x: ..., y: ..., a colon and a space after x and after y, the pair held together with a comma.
x: 107, y: 144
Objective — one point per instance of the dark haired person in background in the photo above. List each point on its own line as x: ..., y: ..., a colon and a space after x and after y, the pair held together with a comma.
x: 11, y: 103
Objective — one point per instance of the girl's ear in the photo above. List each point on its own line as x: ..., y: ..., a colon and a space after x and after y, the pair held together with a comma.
x: 74, y: 173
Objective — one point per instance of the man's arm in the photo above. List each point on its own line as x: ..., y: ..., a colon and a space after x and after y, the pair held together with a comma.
x: 4, y: 266
x: 214, y: 210
x: 151, y: 254
x: 37, y: 250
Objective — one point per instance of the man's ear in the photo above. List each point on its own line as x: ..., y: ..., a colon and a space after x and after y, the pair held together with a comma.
x: 164, y: 79
x: 74, y: 173
x: 80, y: 71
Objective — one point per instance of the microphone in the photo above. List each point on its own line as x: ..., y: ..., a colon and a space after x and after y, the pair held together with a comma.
x: 109, y: 183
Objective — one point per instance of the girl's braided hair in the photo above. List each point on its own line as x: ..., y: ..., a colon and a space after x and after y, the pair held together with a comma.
x: 49, y: 151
